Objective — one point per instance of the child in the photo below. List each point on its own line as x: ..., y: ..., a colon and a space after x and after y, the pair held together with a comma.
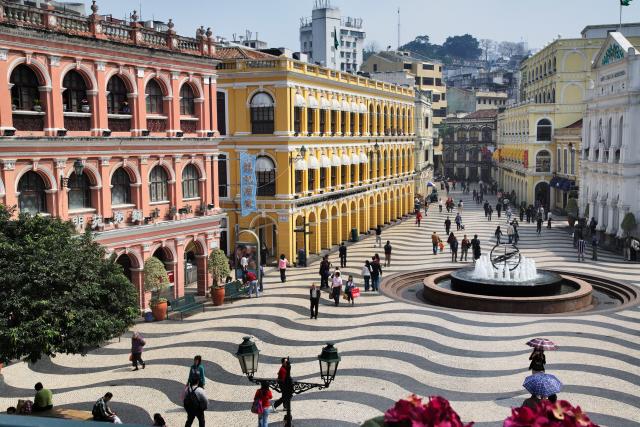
x: 441, y: 246
x: 549, y: 221
x: 348, y: 289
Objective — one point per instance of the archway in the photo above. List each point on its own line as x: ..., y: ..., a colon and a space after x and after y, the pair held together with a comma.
x: 542, y: 194
x: 386, y: 208
x: 344, y: 215
x: 373, y: 219
x: 299, y: 237
x: 380, y: 210
x: 125, y: 262
x: 314, y: 239
x: 335, y: 226
x: 190, y: 264
x: 325, y: 230
x: 267, y: 230
x: 353, y: 216
x: 165, y: 255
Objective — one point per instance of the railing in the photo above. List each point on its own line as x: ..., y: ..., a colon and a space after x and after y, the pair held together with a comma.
x: 96, y: 26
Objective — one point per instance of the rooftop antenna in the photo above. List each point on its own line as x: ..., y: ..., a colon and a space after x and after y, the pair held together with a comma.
x: 141, y: 12
x: 398, y: 28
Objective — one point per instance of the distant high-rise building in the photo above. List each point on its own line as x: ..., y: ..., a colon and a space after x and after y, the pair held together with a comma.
x: 331, y: 40
x: 72, y: 7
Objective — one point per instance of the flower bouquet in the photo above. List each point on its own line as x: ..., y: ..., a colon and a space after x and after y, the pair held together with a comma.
x: 412, y: 412
x: 547, y: 414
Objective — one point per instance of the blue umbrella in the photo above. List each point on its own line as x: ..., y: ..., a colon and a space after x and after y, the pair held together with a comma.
x: 430, y: 184
x: 542, y: 384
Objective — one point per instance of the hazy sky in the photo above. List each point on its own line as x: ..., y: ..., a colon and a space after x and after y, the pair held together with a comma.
x: 277, y: 21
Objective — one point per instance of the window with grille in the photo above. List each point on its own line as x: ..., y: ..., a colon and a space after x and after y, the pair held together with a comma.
x: 79, y: 195
x: 187, y: 100
x: 120, y: 188
x: 24, y: 92
x: 32, y: 198
x: 297, y: 116
x: 262, y: 114
x: 311, y: 179
x: 158, y: 184
x: 265, y: 176
x: 223, y: 183
x: 154, y: 98
x: 323, y: 178
x: 75, y: 93
x: 190, y: 181
x: 299, y: 176
x: 117, y: 100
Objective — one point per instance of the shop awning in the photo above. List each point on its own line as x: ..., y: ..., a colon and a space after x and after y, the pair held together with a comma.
x: 325, y: 162
x: 312, y: 162
x: 335, y: 160
x: 345, y: 160
x: 301, y: 165
x: 299, y: 101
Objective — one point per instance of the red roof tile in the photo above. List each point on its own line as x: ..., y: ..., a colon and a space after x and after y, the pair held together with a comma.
x: 235, y: 52
x: 483, y: 114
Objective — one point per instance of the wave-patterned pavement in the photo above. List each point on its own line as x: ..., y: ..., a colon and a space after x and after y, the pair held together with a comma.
x: 389, y: 348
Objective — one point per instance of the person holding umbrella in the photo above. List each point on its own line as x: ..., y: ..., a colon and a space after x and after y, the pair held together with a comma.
x: 542, y: 385
x: 537, y: 357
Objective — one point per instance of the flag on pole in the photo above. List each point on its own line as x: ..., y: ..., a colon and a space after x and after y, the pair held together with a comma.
x: 625, y: 2
x: 336, y: 42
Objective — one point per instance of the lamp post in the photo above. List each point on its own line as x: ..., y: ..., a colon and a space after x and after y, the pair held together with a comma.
x: 78, y: 168
x: 248, y: 355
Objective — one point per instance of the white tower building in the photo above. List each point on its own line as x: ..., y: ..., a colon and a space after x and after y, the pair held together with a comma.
x: 326, y: 28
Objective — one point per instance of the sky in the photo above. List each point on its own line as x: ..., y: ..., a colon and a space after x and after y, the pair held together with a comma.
x: 277, y: 21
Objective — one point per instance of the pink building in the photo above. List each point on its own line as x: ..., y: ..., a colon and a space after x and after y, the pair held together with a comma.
x: 113, y: 126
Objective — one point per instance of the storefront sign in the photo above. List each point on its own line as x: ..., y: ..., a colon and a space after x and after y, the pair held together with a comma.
x: 247, y: 183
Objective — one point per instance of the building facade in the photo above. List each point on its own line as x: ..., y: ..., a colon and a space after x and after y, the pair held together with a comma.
x: 469, y: 144
x: 335, y: 152
x: 567, y: 143
x: 552, y: 91
x: 424, y: 143
x: 610, y: 169
x: 113, y: 129
x: 318, y: 36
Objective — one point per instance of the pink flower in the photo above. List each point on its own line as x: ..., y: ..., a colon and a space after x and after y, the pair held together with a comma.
x: 547, y: 414
x: 413, y: 413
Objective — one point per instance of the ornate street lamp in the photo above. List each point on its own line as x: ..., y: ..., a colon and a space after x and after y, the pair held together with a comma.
x: 78, y: 168
x: 248, y: 356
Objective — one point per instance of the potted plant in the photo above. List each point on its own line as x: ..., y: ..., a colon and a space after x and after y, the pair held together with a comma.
x: 412, y: 412
x: 155, y: 281
x: 218, y: 266
x: 572, y: 211
x: 36, y: 105
x: 85, y: 106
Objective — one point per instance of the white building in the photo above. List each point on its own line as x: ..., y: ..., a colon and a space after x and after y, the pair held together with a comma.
x: 610, y: 170
x: 318, y: 37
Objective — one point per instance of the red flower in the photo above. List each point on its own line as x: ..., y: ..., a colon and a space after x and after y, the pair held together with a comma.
x: 547, y: 414
x: 413, y: 413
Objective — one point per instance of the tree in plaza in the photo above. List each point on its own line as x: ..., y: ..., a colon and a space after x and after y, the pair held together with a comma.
x: 156, y: 279
x: 218, y: 266
x: 628, y: 223
x: 462, y: 47
x: 59, y: 292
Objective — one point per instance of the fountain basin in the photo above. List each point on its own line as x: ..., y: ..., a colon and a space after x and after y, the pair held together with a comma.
x: 576, y: 300
x: 546, y: 283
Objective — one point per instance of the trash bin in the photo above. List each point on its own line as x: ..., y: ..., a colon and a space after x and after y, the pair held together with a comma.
x: 148, y: 316
x: 302, y: 258
x: 354, y: 234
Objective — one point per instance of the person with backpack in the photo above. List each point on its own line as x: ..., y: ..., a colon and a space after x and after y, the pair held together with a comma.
x: 195, y: 403
x: 262, y: 404
x: 387, y: 254
x: 197, y: 371
x: 102, y: 412
x: 376, y: 272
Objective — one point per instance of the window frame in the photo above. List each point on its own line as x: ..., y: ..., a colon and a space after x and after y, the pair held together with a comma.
x: 190, y: 182
x: 158, y: 185
x: 120, y: 188
x: 154, y: 102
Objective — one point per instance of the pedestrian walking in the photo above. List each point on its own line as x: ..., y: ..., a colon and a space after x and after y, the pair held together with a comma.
x: 510, y: 232
x: 342, y: 252
x: 197, y: 371
x: 440, y: 205
x: 593, y: 224
x: 453, y: 246
x: 387, y: 254
x: 539, y: 224
x: 447, y: 225
x: 498, y: 234
x: 581, y: 248
x: 435, y: 240
x: 366, y: 274
x: 418, y: 218
x: 464, y: 245
x: 195, y: 403
x: 486, y: 209
x: 378, y: 237
x: 458, y: 221
x: 336, y: 288
x: 490, y: 212
x: 314, y: 299
x: 594, y: 248
x: 549, y: 221
x: 283, y: 263
x: 325, y: 272
x: 538, y: 360
x: 460, y: 206
x: 521, y: 213
x: 252, y: 280
x: 286, y: 384
x: 499, y: 208
x: 348, y: 289
x: 376, y: 272
x: 137, y: 343
x: 262, y: 404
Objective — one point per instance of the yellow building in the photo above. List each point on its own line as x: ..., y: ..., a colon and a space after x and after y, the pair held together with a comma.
x: 553, y: 85
x: 335, y: 151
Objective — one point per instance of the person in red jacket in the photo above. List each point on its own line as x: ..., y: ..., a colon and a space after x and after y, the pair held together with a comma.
x: 418, y: 218
x: 265, y: 396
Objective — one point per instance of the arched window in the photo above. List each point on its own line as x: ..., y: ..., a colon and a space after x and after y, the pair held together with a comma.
x: 32, y: 198
x: 543, y: 130
x: 190, y: 181
x: 79, y: 193
x: 609, y: 131
x: 543, y: 161
x: 486, y: 134
x: 75, y: 93
x: 461, y: 135
x: 474, y: 134
x: 117, y: 99
x: 620, y: 132
x: 266, y: 176
x: 262, y: 114
x: 24, y: 93
x: 187, y: 103
x: 155, y: 103
x: 120, y: 188
x: 158, y: 184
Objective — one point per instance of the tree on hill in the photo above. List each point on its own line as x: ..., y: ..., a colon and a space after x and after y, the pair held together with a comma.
x: 59, y: 293
x: 462, y: 47
x: 422, y: 48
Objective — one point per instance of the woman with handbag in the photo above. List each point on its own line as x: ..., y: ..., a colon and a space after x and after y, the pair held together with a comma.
x: 137, y: 342
x: 262, y: 404
x: 348, y: 289
x: 336, y: 287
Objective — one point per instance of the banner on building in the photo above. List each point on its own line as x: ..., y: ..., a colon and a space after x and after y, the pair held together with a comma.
x: 247, y: 183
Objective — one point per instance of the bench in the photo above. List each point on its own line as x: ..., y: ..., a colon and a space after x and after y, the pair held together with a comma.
x: 185, y: 304
x: 67, y: 414
x: 235, y: 289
